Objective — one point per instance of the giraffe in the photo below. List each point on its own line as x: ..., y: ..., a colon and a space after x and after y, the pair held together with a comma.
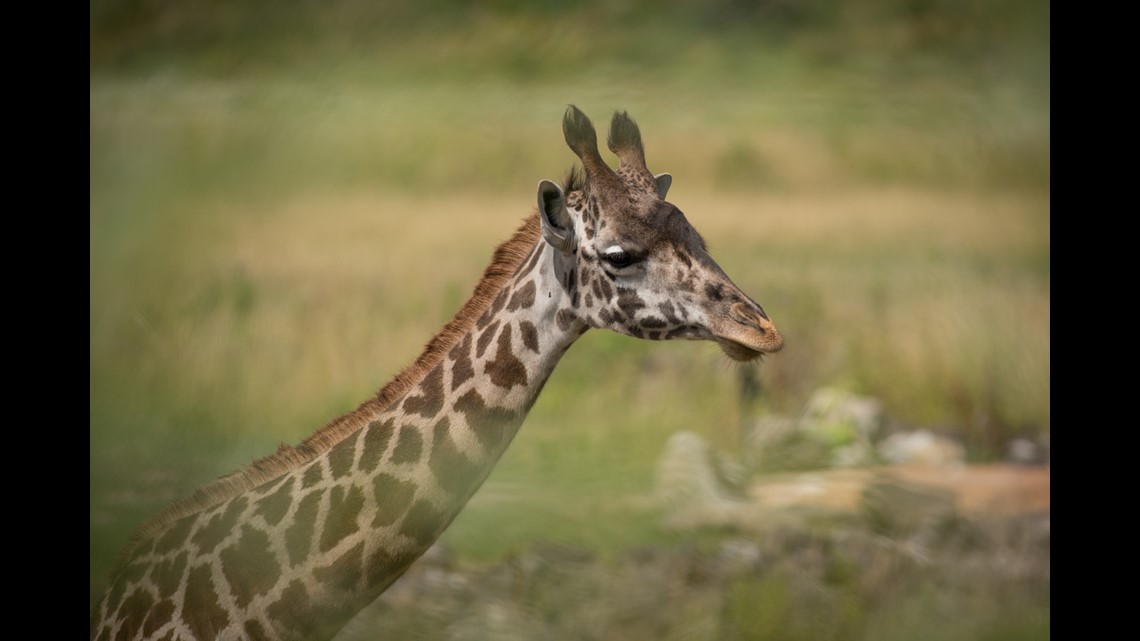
x: 296, y: 543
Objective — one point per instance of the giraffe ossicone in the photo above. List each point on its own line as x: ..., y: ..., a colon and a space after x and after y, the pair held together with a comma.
x: 292, y: 546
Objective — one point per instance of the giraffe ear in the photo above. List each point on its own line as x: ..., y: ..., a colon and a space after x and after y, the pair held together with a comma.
x: 557, y: 228
x: 663, y: 182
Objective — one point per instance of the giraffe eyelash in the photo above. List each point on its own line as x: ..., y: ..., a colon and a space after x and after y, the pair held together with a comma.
x: 618, y: 258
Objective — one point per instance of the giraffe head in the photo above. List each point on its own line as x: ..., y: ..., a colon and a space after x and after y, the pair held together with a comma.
x: 630, y: 260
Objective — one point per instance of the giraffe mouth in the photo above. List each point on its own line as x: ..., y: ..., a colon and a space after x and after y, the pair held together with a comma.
x: 748, y: 334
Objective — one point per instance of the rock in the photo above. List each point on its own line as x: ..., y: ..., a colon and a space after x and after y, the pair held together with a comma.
x: 737, y: 557
x: 845, y: 423
x: 839, y: 417
x: 899, y: 509
x: 1026, y: 452
x: 691, y: 471
x: 768, y: 430
x: 497, y: 619
x: 922, y: 447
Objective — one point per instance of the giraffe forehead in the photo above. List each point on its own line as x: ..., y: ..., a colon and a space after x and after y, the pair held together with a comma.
x: 660, y: 225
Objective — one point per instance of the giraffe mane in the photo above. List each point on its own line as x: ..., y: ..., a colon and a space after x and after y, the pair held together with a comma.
x: 505, y: 261
x: 575, y: 179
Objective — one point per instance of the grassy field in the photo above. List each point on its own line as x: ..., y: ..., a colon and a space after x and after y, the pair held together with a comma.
x: 281, y: 219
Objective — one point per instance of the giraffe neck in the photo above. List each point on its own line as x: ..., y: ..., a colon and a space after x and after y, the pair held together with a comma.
x: 427, y: 454
x: 299, y: 555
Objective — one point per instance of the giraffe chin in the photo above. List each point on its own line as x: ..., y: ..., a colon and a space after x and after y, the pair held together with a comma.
x: 738, y: 352
x: 746, y: 344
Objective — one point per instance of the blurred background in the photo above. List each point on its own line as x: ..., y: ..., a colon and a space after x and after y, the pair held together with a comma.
x: 288, y: 199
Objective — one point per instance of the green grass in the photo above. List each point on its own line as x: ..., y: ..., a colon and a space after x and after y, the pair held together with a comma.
x: 281, y: 218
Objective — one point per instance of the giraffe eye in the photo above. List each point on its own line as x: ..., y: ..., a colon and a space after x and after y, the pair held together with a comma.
x: 618, y: 258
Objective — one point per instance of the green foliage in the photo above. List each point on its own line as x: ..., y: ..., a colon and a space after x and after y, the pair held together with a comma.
x: 528, y: 41
x: 777, y: 607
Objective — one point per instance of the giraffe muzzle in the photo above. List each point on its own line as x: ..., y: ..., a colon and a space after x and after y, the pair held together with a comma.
x: 746, y: 333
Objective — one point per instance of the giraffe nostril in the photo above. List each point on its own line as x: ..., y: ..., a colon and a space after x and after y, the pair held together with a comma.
x: 741, y: 313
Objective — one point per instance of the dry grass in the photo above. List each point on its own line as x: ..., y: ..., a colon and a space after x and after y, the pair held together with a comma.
x: 334, y: 293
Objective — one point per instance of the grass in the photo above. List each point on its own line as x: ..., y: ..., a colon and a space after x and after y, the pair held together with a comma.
x: 279, y: 222
x: 285, y: 318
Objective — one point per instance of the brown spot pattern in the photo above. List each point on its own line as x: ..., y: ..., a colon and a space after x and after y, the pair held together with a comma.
x: 682, y: 256
x: 249, y: 567
x: 409, y: 446
x: 168, y: 574
x: 500, y: 300
x: 523, y: 298
x: 292, y: 607
x: 564, y: 318
x: 315, y: 474
x: 159, y: 616
x: 200, y: 607
x: 274, y: 507
x: 490, y: 424
x: 529, y: 335
x: 461, y: 369
x: 383, y: 566
x: 535, y: 253
x: 607, y: 290
x: 175, y: 536
x: 451, y: 468
x: 344, y: 509
x: 299, y: 536
x: 136, y: 607
x: 629, y: 302
x: 219, y: 526
x: 376, y: 439
x: 131, y: 575
x: 430, y: 401
x: 254, y: 630
x: 340, y: 458
x: 485, y: 339
x: 506, y: 370
x: 596, y: 287
x: 146, y: 548
x: 422, y: 523
x: 393, y: 497
x: 345, y: 572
